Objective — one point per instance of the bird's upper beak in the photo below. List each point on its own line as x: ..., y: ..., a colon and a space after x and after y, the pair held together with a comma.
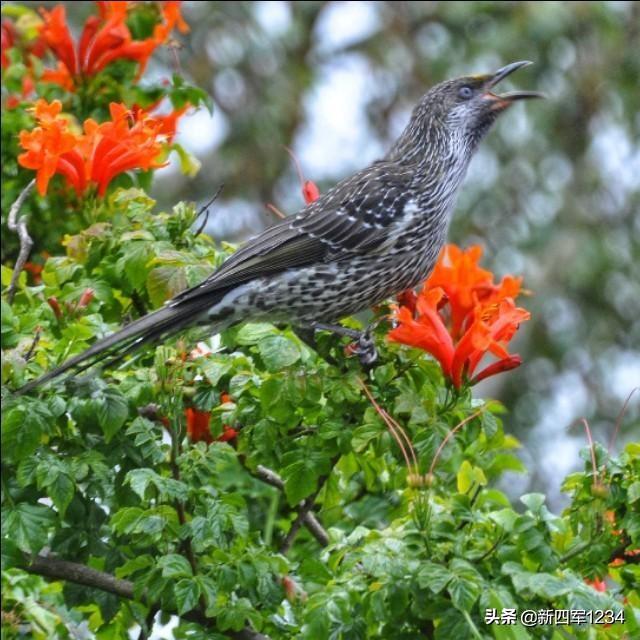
x: 506, y: 99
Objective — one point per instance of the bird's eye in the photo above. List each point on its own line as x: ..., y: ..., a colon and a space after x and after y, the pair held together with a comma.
x: 465, y: 92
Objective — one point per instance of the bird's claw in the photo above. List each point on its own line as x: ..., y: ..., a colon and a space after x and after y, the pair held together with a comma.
x: 366, y: 349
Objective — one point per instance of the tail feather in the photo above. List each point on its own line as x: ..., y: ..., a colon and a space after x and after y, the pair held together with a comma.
x: 155, y: 325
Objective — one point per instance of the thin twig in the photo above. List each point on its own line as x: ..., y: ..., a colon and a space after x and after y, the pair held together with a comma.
x: 304, y: 508
x: 205, y: 209
x: 19, y: 225
x: 310, y: 521
x: 34, y: 344
x: 612, y: 442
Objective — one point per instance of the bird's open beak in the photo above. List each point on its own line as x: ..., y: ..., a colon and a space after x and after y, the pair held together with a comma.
x: 506, y: 99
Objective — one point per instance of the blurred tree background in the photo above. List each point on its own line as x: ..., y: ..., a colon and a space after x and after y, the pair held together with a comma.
x: 554, y: 193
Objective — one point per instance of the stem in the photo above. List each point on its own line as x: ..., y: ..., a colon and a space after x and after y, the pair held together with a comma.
x: 270, y: 477
x: 19, y: 225
x: 451, y: 433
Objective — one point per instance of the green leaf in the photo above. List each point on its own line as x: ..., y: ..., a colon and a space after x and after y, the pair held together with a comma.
x: 112, y: 410
x: 187, y: 591
x: 189, y: 163
x: 469, y: 476
x: 633, y: 492
x: 278, y: 352
x: 139, y: 480
x: 533, y: 501
x: 23, y: 426
x: 465, y: 585
x: 165, y: 282
x: 134, y: 565
x: 252, y: 332
x: 27, y: 525
x: 124, y: 520
x: 434, y: 576
x: 214, y: 367
x: 62, y: 490
x: 175, y: 566
x: 300, y: 481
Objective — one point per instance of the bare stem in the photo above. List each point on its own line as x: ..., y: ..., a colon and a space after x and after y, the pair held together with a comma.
x: 309, y: 519
x: 304, y: 508
x: 19, y: 225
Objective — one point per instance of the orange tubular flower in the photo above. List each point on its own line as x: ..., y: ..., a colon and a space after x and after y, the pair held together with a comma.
x: 483, y: 318
x: 129, y: 141
x: 465, y: 282
x: 104, y: 38
x: 198, y: 425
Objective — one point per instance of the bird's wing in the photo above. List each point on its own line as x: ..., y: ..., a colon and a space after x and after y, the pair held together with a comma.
x: 351, y: 219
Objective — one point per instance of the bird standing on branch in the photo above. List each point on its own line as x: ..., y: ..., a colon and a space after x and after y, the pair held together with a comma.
x: 370, y: 237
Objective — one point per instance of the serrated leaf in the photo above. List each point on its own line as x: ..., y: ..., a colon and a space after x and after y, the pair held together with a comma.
x: 434, y: 576
x: 27, y: 525
x: 278, y: 352
x: 135, y: 564
x: 300, y: 481
x: 187, y: 591
x: 22, y: 429
x: 124, y: 520
x: 463, y: 592
x: 252, y: 332
x: 112, y: 410
x: 61, y: 490
x: 139, y: 480
x: 165, y: 282
x: 175, y: 566
x: 214, y: 368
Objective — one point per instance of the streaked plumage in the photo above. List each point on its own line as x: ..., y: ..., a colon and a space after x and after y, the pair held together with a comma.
x: 371, y: 236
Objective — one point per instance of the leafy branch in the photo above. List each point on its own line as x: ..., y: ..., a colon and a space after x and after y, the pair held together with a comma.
x: 77, y: 573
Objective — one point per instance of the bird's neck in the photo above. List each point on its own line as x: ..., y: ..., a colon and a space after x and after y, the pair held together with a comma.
x: 434, y: 151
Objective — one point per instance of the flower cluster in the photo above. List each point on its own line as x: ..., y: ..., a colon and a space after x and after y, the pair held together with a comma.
x: 104, y: 38
x: 198, y: 429
x: 132, y: 139
x: 460, y: 315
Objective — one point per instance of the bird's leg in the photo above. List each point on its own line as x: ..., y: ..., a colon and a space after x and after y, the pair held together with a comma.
x: 335, y: 328
x: 365, y: 347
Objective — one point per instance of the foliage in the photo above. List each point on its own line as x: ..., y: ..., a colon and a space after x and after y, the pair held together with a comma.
x: 258, y: 482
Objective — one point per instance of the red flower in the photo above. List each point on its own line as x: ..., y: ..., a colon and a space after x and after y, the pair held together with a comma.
x: 130, y: 140
x: 310, y: 191
x: 198, y: 425
x: 598, y: 585
x: 482, y: 319
x: 104, y: 38
x: 465, y: 283
x: 7, y: 41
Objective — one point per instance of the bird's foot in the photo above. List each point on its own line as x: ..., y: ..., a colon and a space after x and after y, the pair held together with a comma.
x: 363, y: 346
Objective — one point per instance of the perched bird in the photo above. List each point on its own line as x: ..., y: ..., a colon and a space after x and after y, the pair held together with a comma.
x: 370, y: 237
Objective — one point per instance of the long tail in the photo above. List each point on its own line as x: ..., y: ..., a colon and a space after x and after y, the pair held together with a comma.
x: 158, y: 324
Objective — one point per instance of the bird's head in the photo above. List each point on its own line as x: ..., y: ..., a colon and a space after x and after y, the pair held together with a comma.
x: 463, y: 109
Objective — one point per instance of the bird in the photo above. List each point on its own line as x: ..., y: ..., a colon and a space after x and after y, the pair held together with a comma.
x: 373, y: 235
